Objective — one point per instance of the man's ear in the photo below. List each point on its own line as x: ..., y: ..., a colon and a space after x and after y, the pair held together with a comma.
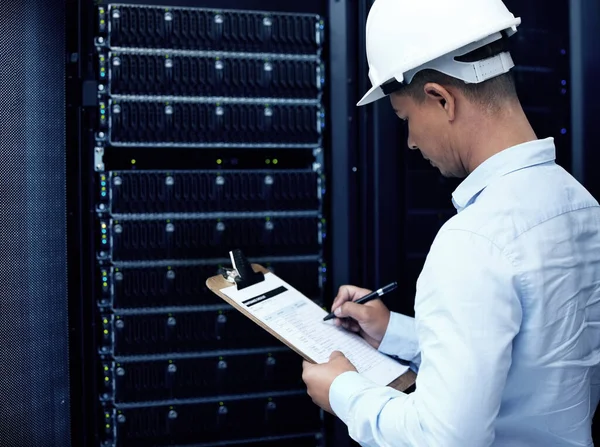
x: 442, y: 97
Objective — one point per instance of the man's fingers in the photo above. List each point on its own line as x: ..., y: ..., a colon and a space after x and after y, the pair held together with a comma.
x: 353, y: 326
x: 348, y: 324
x: 359, y: 312
x: 348, y: 293
x: 306, y: 364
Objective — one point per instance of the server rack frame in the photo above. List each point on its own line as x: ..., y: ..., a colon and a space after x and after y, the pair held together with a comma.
x: 81, y: 106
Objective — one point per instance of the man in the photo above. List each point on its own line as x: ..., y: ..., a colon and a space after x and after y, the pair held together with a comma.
x: 506, y: 335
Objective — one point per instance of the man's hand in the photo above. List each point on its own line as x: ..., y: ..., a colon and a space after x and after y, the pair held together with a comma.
x: 370, y: 320
x: 318, y: 378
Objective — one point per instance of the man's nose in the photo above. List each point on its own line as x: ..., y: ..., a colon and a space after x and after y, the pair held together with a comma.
x: 411, y: 144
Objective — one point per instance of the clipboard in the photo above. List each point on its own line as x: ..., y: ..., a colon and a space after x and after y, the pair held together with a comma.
x: 243, y: 274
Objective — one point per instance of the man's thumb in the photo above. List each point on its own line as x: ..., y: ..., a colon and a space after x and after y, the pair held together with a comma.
x: 336, y: 354
x: 352, y: 310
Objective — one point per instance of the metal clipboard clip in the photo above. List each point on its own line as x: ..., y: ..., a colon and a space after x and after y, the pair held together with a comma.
x: 242, y: 274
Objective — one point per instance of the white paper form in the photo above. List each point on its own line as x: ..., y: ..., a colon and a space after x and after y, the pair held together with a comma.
x: 297, y: 319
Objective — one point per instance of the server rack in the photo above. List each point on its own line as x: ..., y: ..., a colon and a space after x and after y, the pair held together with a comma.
x: 206, y: 129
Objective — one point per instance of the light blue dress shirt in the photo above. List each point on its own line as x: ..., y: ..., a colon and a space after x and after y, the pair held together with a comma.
x: 506, y: 338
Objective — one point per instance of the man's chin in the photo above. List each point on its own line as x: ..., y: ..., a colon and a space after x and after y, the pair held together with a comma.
x: 446, y: 174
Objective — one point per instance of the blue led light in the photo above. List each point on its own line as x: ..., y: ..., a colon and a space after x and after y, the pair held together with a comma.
x: 103, y: 231
x: 323, y: 269
x: 103, y: 194
x: 102, y: 75
x: 563, y: 131
x: 102, y: 183
x: 563, y: 82
x: 104, y: 278
x: 104, y: 241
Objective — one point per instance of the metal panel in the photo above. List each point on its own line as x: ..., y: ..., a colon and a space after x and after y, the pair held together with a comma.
x: 34, y: 384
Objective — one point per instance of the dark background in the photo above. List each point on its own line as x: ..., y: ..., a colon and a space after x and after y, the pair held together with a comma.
x: 383, y: 208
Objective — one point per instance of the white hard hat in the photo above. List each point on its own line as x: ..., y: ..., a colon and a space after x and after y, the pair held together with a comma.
x: 407, y: 36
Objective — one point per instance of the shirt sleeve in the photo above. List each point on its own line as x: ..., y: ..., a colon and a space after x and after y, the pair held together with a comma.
x: 467, y: 315
x: 400, y: 339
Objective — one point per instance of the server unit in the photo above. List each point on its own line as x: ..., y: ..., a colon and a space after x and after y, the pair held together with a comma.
x: 210, y: 135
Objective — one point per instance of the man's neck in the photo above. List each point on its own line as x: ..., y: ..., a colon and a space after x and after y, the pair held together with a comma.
x: 490, y: 135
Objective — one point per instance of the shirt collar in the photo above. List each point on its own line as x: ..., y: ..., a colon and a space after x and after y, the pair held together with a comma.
x: 509, y: 160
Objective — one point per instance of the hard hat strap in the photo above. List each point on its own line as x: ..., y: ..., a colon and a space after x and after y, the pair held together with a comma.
x: 470, y: 72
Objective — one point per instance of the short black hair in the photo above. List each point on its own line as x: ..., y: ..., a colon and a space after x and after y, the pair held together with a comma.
x: 490, y: 93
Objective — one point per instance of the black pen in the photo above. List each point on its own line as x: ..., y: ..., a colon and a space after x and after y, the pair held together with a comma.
x: 369, y: 297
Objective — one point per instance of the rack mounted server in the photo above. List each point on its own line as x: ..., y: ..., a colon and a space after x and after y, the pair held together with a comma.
x: 210, y: 137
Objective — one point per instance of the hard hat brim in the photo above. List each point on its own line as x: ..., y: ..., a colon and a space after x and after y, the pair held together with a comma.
x: 374, y: 94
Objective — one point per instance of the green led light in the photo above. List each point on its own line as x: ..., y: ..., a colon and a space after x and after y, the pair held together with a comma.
x: 275, y: 161
x: 105, y: 331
